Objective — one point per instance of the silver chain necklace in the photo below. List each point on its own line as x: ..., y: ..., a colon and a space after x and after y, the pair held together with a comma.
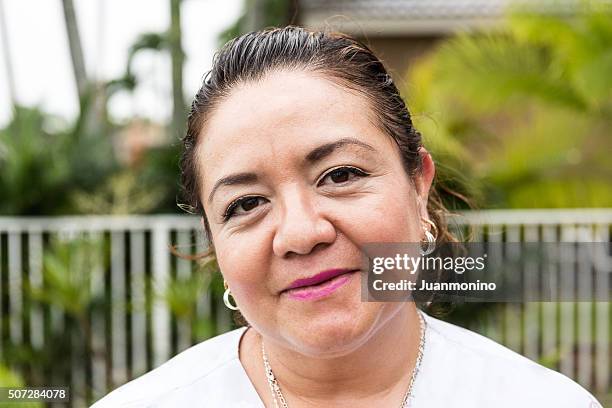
x: 277, y: 395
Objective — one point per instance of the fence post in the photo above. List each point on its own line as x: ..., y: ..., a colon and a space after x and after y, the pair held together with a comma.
x: 98, y: 322
x: 160, y: 331
x: 15, y: 286
x: 602, y: 311
x: 118, y: 330
x: 35, y: 254
x: 138, y: 302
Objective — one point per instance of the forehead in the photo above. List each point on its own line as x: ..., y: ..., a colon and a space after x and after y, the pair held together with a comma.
x: 284, y: 113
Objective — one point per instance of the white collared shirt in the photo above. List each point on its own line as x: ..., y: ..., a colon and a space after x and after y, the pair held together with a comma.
x: 459, y: 369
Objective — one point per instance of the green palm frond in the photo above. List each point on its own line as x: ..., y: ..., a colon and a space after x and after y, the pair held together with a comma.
x: 497, y: 71
x: 525, y: 110
x: 583, y: 48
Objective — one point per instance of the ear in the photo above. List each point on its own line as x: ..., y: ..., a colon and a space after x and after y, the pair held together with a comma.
x: 424, y: 180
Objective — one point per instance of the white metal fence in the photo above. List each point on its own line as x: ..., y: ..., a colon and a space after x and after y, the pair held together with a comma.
x: 138, y: 331
x: 571, y: 337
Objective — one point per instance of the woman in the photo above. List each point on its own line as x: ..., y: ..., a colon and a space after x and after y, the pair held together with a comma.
x: 299, y: 149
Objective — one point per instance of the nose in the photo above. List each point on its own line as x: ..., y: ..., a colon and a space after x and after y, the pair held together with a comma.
x: 302, y: 226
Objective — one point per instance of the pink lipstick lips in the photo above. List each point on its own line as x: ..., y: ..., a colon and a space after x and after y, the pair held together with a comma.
x: 319, y: 285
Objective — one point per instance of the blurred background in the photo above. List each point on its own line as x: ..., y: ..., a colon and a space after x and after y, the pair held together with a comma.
x: 514, y: 100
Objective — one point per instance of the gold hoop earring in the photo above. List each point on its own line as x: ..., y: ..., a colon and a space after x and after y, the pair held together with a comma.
x: 226, y: 296
x: 433, y: 225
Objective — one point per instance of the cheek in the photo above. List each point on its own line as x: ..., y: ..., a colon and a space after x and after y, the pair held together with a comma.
x: 388, y: 214
x: 244, y: 264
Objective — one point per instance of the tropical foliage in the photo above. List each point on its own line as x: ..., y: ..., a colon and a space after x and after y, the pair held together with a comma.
x: 524, y: 111
x: 40, y: 165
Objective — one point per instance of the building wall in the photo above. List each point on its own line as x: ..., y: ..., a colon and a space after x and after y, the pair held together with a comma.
x: 399, y: 53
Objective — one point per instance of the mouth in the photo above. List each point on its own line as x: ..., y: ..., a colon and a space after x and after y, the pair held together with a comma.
x: 320, y: 285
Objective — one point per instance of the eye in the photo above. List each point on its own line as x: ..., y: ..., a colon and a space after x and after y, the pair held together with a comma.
x: 344, y: 174
x: 241, y: 206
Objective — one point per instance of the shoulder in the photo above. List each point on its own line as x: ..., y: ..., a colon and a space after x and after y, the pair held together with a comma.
x: 191, y: 365
x: 498, y: 376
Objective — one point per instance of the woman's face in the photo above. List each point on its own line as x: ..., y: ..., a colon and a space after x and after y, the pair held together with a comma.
x: 294, y: 177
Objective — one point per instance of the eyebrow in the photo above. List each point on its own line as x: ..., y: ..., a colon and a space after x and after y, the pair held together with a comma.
x: 325, y: 150
x: 232, y: 180
x: 316, y: 155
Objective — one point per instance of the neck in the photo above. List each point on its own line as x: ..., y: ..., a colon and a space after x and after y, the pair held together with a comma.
x: 380, y: 368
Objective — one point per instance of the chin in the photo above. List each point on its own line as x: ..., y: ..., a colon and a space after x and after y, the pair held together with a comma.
x: 333, y: 334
